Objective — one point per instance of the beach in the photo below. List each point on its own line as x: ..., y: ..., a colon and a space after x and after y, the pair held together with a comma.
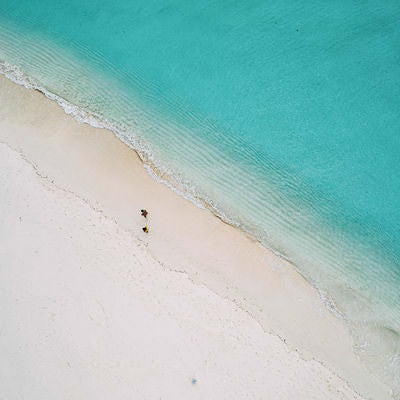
x: 93, y: 307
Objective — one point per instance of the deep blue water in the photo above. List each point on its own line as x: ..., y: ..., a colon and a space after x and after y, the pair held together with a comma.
x: 283, y: 116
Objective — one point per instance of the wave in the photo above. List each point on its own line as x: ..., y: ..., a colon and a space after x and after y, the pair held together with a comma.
x: 83, y: 116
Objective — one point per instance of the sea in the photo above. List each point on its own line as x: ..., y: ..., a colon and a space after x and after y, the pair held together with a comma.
x: 281, y: 117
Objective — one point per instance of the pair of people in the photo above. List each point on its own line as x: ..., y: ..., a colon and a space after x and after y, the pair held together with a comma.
x: 144, y: 213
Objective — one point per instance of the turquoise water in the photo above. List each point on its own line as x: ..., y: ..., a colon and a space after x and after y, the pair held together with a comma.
x: 282, y: 118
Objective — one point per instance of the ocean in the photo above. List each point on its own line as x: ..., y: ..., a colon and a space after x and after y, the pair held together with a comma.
x: 282, y: 118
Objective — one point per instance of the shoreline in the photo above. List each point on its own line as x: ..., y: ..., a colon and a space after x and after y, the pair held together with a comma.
x: 99, y: 168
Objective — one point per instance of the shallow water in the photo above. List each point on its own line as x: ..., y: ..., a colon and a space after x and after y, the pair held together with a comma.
x: 282, y: 118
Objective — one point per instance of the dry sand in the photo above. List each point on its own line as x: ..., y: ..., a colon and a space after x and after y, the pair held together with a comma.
x: 91, y: 307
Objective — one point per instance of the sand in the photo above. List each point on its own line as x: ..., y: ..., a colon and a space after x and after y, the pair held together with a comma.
x: 91, y: 307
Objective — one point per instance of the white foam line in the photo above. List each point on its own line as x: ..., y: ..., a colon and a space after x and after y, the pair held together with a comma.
x: 16, y: 75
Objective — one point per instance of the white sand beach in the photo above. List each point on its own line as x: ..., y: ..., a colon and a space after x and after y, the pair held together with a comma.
x: 91, y: 307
